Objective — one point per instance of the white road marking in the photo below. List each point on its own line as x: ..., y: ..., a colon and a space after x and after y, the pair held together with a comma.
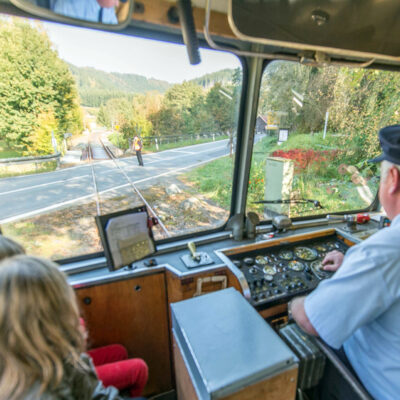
x: 183, y: 152
x: 42, y: 184
x: 58, y: 205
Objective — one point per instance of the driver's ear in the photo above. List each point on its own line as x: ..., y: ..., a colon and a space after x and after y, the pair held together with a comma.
x: 394, y: 176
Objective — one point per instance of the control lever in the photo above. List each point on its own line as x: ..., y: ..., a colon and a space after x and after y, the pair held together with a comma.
x: 351, y: 220
x: 196, y: 259
x: 192, y: 248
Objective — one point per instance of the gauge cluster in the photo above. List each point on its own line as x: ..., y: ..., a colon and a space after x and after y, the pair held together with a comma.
x: 276, y: 273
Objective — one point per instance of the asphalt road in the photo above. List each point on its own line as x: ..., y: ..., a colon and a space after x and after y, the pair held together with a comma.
x: 25, y: 196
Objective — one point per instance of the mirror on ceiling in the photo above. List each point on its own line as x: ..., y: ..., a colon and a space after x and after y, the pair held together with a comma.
x: 367, y: 28
x: 112, y: 13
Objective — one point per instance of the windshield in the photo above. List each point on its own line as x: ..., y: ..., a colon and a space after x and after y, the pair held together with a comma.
x: 93, y: 123
x: 316, y: 128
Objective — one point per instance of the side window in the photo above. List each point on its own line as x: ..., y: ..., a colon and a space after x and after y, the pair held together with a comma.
x: 316, y: 129
x: 75, y: 105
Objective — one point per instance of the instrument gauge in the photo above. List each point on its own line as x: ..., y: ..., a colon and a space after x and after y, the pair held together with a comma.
x: 321, y: 248
x: 253, y: 270
x: 319, y: 271
x: 286, y: 255
x: 305, y: 253
x: 332, y: 245
x: 296, y: 265
x: 249, y: 261
x: 268, y: 277
x: 269, y: 270
x: 260, y: 260
x: 237, y: 263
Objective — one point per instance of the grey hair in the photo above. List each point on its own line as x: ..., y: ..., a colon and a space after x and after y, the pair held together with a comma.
x: 385, y: 167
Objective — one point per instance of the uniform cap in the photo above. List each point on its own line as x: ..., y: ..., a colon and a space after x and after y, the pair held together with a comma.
x: 389, y: 138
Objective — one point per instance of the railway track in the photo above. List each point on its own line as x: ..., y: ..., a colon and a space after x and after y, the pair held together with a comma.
x: 107, y: 154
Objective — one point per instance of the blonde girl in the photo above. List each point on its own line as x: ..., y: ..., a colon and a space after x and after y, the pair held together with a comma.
x: 9, y: 248
x: 41, y: 342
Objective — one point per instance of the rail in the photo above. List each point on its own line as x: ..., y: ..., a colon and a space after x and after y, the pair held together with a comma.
x: 30, y: 159
x: 151, y: 211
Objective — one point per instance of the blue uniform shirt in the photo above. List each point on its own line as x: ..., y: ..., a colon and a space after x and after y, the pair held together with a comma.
x: 89, y: 10
x: 359, y: 308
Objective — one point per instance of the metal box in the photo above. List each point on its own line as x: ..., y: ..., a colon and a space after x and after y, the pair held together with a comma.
x: 223, y: 349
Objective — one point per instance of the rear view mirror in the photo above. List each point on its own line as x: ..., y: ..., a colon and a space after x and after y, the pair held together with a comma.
x: 91, y: 13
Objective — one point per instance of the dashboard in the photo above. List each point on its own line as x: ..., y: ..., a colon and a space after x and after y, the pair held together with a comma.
x: 276, y: 273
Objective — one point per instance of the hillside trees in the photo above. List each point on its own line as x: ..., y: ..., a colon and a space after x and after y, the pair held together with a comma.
x: 34, y: 81
x: 359, y: 101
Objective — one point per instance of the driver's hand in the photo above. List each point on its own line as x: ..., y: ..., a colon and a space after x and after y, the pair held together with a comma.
x: 333, y: 260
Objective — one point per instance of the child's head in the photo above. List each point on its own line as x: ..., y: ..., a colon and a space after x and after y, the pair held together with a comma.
x: 39, y: 325
x: 9, y: 248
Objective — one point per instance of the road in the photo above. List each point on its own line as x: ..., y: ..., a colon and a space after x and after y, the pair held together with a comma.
x: 26, y: 196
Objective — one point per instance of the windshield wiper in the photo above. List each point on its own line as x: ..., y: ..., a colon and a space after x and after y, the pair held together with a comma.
x: 316, y: 203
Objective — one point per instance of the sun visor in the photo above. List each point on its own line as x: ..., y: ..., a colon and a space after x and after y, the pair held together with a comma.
x: 366, y: 29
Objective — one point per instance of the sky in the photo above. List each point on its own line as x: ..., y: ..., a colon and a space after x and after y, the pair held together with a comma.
x: 112, y: 52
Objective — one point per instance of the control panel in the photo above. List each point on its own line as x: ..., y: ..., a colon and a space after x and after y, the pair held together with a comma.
x: 287, y: 270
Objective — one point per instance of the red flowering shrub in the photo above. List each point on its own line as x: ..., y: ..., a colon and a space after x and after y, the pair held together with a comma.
x: 305, y: 158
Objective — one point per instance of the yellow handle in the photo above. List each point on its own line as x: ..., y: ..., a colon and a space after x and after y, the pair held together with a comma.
x: 192, y: 248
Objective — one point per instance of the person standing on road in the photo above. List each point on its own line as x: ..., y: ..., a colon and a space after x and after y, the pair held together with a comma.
x: 137, y: 146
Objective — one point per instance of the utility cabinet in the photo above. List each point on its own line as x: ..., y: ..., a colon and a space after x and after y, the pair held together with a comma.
x: 223, y: 349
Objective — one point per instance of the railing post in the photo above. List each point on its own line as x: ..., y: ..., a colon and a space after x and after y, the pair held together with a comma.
x: 157, y: 144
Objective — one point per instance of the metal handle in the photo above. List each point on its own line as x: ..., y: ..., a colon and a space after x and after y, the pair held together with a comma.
x: 199, y: 285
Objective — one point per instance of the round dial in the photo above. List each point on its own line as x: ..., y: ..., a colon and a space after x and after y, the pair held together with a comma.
x: 318, y: 270
x: 321, y: 248
x: 305, y: 253
x: 248, y: 261
x: 332, y: 245
x: 253, y: 270
x: 286, y: 255
x: 260, y: 260
x: 268, y: 277
x: 296, y: 265
x: 269, y: 270
x: 317, y: 265
x: 237, y: 263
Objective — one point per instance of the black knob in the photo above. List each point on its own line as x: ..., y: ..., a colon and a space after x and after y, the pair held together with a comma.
x: 287, y: 287
x: 87, y: 300
x: 262, y: 296
x: 255, y: 298
x: 285, y: 276
x: 277, y: 291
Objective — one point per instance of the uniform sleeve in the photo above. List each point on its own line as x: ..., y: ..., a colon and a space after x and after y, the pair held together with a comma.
x: 356, y: 295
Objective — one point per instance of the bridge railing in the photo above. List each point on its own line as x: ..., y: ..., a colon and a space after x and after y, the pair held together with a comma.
x: 11, y: 164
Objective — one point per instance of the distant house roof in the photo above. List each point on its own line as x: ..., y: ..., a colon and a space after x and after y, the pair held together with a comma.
x: 264, y: 118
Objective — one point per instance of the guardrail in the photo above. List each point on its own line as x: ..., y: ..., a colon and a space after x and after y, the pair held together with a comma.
x: 30, y: 160
x: 159, y: 140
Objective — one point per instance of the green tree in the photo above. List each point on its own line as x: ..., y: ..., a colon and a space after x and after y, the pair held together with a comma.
x: 41, y: 138
x: 33, y: 81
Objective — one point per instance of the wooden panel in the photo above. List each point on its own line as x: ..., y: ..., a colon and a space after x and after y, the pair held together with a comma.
x: 184, y: 387
x: 134, y: 313
x: 278, y: 387
x: 272, y: 311
x: 280, y: 241
x: 156, y: 12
